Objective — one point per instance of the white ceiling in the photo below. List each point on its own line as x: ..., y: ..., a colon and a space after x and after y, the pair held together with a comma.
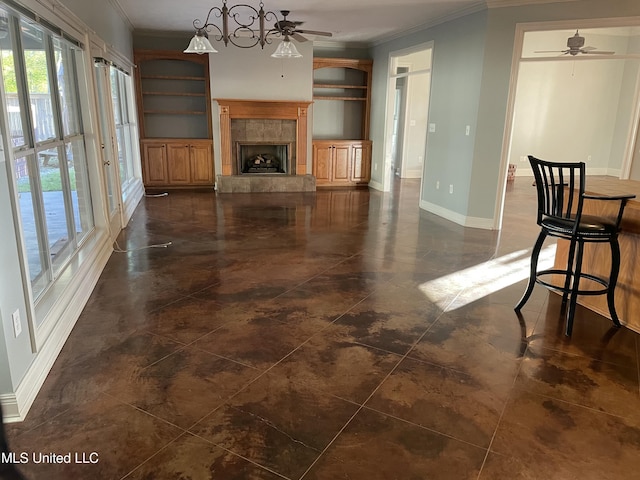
x: 350, y: 21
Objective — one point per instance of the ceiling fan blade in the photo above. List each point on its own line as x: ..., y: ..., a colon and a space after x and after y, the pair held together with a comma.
x: 549, y: 51
x: 589, y: 48
x: 313, y: 32
x: 599, y: 52
x: 299, y: 37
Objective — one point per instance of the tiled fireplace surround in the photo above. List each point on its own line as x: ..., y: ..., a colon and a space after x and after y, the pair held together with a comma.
x: 269, y: 122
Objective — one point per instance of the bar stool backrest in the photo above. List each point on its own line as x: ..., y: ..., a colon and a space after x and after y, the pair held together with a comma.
x: 560, y: 188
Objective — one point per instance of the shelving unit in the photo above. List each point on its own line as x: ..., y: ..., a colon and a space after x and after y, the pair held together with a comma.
x: 342, y: 102
x: 174, y: 118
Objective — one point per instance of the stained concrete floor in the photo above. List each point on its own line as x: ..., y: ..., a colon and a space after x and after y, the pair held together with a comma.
x: 343, y: 334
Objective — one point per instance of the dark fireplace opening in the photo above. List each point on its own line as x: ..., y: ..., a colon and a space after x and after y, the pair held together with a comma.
x: 263, y: 157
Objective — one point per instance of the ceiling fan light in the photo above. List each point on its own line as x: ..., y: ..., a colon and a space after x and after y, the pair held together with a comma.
x: 200, y: 44
x: 286, y: 49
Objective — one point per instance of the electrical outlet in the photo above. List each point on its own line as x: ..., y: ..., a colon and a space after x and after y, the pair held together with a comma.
x: 432, y: 127
x: 17, y: 325
x: 437, y: 184
x: 523, y: 158
x: 375, y: 167
x: 451, y: 188
x: 588, y: 158
x: 468, y: 130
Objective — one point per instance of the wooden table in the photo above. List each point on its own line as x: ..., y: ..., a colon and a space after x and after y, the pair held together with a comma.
x: 597, y: 257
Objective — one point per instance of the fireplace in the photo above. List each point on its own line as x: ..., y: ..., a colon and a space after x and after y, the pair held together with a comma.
x: 263, y: 158
x: 280, y: 130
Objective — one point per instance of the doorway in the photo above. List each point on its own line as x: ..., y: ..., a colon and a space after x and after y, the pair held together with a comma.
x: 399, y: 115
x: 108, y: 145
x: 634, y: 168
x: 408, y: 90
x: 572, y: 107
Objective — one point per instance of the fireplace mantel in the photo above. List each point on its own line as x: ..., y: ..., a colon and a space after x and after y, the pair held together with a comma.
x: 262, y: 109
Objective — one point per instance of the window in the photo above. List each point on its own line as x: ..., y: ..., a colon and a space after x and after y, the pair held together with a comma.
x: 40, y: 74
x: 125, y: 125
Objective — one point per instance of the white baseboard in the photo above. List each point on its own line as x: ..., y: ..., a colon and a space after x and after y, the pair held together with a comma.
x: 412, y: 173
x: 134, y: 195
x: 10, y: 408
x: 17, y: 405
x: 472, y: 222
x: 376, y: 185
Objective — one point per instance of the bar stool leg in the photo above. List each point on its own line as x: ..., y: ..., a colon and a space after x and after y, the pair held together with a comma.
x: 613, y: 279
x: 569, y: 272
x: 575, y: 288
x: 534, y: 269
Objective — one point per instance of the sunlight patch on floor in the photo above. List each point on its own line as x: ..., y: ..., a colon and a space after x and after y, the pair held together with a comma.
x: 484, y: 279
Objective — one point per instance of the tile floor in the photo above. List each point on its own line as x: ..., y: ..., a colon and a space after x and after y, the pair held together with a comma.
x: 336, y: 335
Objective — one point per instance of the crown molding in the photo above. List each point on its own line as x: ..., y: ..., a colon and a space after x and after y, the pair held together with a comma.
x: 118, y: 8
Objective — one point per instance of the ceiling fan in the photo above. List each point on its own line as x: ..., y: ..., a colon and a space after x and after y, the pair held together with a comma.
x: 576, y: 46
x: 289, y: 28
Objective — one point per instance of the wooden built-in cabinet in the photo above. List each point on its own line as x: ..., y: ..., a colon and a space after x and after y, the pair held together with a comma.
x: 175, y: 120
x: 342, y: 101
x: 341, y: 162
x: 177, y: 163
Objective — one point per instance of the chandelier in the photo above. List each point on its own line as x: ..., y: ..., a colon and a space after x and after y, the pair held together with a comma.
x: 242, y: 26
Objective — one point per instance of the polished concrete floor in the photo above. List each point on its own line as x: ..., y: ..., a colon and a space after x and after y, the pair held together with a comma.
x: 335, y: 335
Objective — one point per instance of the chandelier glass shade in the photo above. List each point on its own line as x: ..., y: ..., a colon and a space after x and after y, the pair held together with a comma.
x: 200, y: 44
x: 286, y: 49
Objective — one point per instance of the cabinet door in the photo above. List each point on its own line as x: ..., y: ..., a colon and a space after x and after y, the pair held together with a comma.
x: 178, y: 164
x: 201, y: 165
x: 341, y: 162
x: 361, y: 162
x: 155, y: 164
x: 322, y: 160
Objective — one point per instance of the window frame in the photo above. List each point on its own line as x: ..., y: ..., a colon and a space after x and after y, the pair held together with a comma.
x: 51, y: 269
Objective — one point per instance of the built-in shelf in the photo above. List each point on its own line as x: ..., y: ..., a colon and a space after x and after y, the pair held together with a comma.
x: 341, y: 149
x: 322, y: 97
x: 174, y: 119
x: 335, y: 85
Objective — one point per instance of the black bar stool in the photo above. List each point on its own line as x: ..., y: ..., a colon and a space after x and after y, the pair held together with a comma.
x: 560, y: 188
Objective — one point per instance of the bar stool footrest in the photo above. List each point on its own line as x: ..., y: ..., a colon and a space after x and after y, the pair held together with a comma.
x: 602, y: 281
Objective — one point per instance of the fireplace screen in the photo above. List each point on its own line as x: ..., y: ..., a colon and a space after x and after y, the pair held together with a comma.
x: 263, y: 158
